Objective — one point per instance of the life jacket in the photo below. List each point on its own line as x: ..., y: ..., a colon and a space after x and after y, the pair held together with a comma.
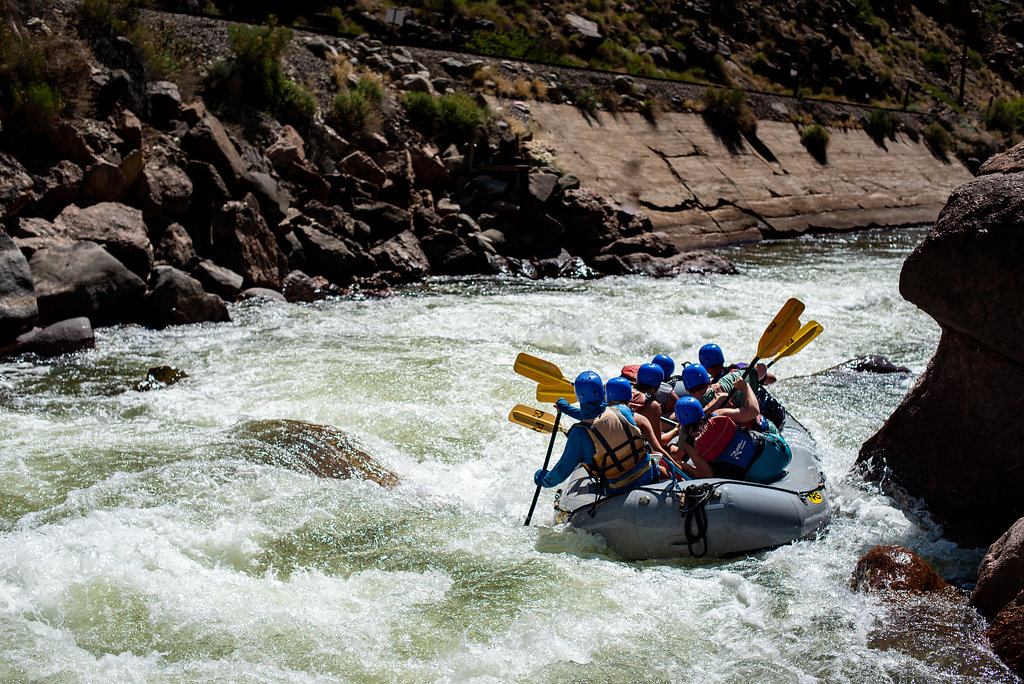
x: 620, y: 451
x: 731, y: 450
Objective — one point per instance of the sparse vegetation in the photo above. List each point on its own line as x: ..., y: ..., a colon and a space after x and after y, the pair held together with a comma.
x: 456, y: 116
x: 727, y: 110
x: 1005, y: 116
x: 357, y: 109
x: 254, y: 73
x: 815, y: 139
x: 880, y: 126
x: 938, y: 139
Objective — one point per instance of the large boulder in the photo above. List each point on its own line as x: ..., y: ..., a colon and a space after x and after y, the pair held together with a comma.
x: 18, y: 309
x: 63, y: 337
x: 958, y: 432
x: 117, y: 227
x: 244, y: 243
x: 164, y: 188
x: 208, y: 141
x: 403, y: 255
x: 83, y: 279
x: 894, y: 568
x: 1006, y: 634
x: 336, y: 259
x: 176, y: 298
x: 15, y: 186
x: 1001, y: 574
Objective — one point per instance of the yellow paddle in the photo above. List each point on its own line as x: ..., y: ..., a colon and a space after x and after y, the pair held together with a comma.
x: 534, y: 419
x: 776, y: 335
x: 802, y: 338
x: 549, y: 395
x: 541, y: 371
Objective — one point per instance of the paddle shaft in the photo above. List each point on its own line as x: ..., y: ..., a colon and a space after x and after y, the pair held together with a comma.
x: 547, y: 459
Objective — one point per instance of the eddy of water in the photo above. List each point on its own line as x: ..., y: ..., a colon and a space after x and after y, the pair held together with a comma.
x: 145, y: 537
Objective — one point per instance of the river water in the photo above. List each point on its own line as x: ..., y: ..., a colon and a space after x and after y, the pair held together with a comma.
x: 142, y: 540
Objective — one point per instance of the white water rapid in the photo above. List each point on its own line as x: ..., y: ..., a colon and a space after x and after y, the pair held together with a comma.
x: 141, y: 541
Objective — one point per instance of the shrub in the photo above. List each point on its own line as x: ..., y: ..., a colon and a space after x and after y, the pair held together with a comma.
x: 29, y: 97
x: 456, y: 116
x: 353, y: 110
x: 938, y: 139
x: 815, y: 139
x: 253, y: 73
x: 727, y: 110
x: 586, y: 100
x: 937, y: 63
x: 880, y: 126
x: 1004, y: 115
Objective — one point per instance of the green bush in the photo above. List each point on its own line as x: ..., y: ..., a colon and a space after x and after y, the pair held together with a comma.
x: 1004, y: 115
x: 253, y: 73
x: 457, y: 116
x: 30, y: 99
x: 938, y: 139
x: 815, y: 139
x: 880, y: 126
x: 586, y: 100
x: 727, y: 110
x: 354, y: 109
x: 936, y: 62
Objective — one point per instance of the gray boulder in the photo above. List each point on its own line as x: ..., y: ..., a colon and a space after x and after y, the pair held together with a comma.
x: 18, y: 308
x: 176, y: 298
x: 15, y: 186
x: 208, y: 141
x: 83, y: 279
x: 164, y: 188
x: 219, y: 280
x: 104, y: 181
x: 403, y: 255
x: 332, y: 257
x: 63, y: 337
x: 175, y: 248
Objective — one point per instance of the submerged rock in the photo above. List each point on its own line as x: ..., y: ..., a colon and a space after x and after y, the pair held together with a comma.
x: 872, y: 363
x: 160, y: 376
x: 894, y: 568
x: 321, y: 450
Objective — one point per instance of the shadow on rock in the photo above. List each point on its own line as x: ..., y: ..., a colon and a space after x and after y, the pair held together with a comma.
x: 321, y: 450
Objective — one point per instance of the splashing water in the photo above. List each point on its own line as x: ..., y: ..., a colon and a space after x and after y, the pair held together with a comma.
x: 142, y: 538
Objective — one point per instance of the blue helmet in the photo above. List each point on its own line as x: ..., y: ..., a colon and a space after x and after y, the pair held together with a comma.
x: 619, y: 389
x: 694, y: 375
x: 589, y: 388
x: 710, y: 355
x: 650, y: 375
x: 688, y: 410
x: 666, y: 363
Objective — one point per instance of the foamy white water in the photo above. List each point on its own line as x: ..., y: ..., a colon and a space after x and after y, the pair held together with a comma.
x: 142, y: 539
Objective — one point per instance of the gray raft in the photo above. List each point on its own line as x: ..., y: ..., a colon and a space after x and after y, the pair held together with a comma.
x: 651, y: 522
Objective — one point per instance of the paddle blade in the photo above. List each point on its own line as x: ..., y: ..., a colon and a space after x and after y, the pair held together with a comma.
x: 802, y: 338
x: 539, y: 370
x: 532, y: 418
x: 781, y: 329
x: 549, y: 395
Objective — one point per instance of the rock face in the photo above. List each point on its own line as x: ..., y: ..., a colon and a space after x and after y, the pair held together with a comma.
x: 894, y: 568
x: 18, y: 309
x: 1001, y: 574
x: 959, y: 430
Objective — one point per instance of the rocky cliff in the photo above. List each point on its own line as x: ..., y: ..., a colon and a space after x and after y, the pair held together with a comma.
x: 957, y: 439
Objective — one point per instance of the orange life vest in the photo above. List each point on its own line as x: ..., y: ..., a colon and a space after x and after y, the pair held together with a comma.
x: 619, y: 448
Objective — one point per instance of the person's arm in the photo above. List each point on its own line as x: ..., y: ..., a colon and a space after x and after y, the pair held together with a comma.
x: 648, y: 432
x: 683, y: 450
x: 572, y: 455
x: 765, y: 377
x: 746, y: 413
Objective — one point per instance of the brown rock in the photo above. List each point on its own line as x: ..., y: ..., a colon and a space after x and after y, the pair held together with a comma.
x: 57, y: 187
x: 958, y: 408
x: 176, y: 298
x: 1001, y: 574
x: 160, y: 377
x: 299, y: 287
x: 103, y: 182
x: 894, y: 568
x: 175, y: 248
x: 317, y: 449
x: 131, y: 166
x: 208, y: 141
x: 63, y: 337
x: 1011, y: 161
x: 428, y: 170
x: 15, y: 186
x: 245, y: 244
x: 164, y: 188
x: 288, y: 149
x: 360, y: 165
x: 118, y: 228
x: 1006, y: 634
x: 403, y: 255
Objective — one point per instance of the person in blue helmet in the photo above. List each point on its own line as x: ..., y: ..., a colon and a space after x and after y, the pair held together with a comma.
x: 712, y: 358
x: 606, y: 440
x: 645, y: 402
x: 619, y: 392
x: 728, y: 396
x: 666, y: 394
x: 718, y: 447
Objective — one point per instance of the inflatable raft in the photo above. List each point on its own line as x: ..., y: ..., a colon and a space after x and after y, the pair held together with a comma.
x: 711, y: 517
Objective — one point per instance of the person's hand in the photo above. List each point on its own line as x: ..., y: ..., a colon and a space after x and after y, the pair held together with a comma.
x: 562, y: 405
x: 538, y: 477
